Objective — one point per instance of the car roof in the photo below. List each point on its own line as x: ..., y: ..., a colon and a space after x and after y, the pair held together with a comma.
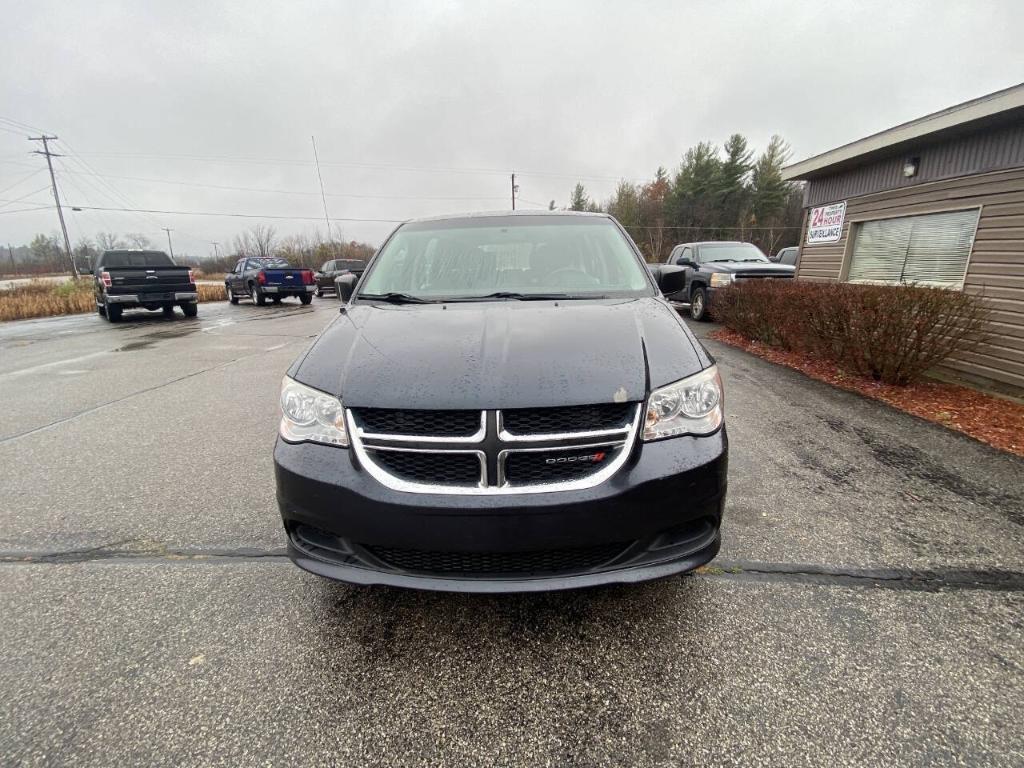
x: 713, y: 242
x: 491, y: 214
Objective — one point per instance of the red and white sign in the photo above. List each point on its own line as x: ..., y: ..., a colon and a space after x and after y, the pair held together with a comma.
x: 825, y: 224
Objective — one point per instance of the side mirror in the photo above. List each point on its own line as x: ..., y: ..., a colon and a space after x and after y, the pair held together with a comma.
x: 344, y: 286
x: 685, y: 262
x: 670, y: 279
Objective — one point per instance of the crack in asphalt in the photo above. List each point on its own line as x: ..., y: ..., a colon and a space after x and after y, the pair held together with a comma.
x: 927, y: 580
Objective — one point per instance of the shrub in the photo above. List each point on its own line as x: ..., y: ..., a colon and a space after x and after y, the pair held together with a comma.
x: 891, y: 333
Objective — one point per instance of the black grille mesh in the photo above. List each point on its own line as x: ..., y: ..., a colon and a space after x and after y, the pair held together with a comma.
x: 550, y: 561
x: 431, y: 468
x: 573, y: 418
x: 530, y: 467
x: 395, y: 421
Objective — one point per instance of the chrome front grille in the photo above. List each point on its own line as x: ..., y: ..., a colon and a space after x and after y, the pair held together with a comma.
x: 523, y: 450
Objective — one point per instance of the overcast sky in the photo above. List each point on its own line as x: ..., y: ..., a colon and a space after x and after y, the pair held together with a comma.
x: 414, y: 104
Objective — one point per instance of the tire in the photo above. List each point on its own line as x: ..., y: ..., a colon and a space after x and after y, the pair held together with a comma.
x: 306, y: 299
x: 190, y: 310
x: 114, y: 312
x: 257, y: 298
x: 319, y: 293
x: 699, y: 305
x: 101, y: 310
x: 231, y: 296
x: 168, y: 311
x: 276, y: 299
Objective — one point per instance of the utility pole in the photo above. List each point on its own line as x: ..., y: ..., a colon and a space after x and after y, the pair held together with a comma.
x: 56, y: 197
x: 323, y: 196
x: 10, y: 253
x: 513, y: 191
x: 216, y: 255
x: 169, y: 246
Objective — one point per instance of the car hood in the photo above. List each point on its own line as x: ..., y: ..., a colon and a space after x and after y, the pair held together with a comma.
x: 502, y: 354
x: 760, y: 268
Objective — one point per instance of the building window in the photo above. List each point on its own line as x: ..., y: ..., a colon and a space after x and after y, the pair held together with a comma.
x: 931, y: 250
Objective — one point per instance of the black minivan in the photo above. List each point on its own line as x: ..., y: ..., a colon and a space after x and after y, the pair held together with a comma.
x: 506, y: 403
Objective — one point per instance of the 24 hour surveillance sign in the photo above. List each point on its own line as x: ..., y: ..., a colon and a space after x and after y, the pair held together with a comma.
x: 825, y: 224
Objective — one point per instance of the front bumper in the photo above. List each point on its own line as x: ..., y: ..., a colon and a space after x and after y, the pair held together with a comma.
x: 659, y: 515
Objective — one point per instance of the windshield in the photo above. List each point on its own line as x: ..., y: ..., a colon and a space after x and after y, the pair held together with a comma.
x: 519, y: 256
x: 710, y: 252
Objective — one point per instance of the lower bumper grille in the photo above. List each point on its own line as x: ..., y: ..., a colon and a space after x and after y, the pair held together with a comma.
x: 546, y: 562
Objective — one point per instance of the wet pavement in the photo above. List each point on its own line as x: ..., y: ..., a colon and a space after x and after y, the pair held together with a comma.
x: 865, y: 609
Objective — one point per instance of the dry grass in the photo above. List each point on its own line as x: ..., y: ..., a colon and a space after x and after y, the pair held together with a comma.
x: 44, y: 299
x: 212, y: 293
x: 40, y: 298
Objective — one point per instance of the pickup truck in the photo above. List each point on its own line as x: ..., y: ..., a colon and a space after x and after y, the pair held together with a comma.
x: 717, y: 264
x: 331, y: 270
x: 126, y: 279
x: 504, y: 402
x: 260, y: 278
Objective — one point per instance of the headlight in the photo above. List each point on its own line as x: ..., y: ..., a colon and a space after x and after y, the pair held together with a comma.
x: 311, y: 416
x: 721, y: 279
x: 693, y: 406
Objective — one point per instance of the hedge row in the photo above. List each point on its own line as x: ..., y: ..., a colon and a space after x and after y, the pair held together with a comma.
x: 891, y: 333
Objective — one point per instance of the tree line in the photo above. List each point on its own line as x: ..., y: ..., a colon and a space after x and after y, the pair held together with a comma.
x: 45, y: 253
x: 716, y: 193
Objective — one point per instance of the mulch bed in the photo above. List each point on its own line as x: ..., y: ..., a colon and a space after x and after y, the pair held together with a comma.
x: 992, y: 420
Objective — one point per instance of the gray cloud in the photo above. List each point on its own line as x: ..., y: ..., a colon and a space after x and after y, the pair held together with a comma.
x: 552, y: 90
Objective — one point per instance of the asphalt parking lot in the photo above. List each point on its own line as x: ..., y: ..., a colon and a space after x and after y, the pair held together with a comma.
x: 866, y: 608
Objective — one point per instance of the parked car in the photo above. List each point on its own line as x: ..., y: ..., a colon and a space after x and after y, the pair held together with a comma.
x: 331, y: 270
x: 268, y: 277
x: 504, y: 403
x: 126, y: 279
x: 713, y: 265
x: 787, y: 256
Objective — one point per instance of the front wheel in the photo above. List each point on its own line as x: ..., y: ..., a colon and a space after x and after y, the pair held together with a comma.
x: 231, y: 295
x: 319, y: 293
x: 190, y: 310
x: 699, y: 304
x: 306, y: 299
x: 257, y: 297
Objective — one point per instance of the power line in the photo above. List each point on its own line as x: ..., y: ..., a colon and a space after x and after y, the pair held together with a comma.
x: 22, y: 180
x: 28, y: 194
x: 27, y: 210
x: 227, y: 215
x: 268, y: 190
x: 350, y: 164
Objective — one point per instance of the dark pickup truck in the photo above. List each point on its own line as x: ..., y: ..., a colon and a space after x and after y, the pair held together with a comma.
x: 717, y: 264
x: 270, y: 277
x: 505, y: 402
x: 126, y: 279
x: 331, y: 270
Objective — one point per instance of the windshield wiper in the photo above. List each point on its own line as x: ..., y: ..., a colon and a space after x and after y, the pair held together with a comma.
x: 524, y: 296
x: 757, y: 261
x: 395, y: 297
x: 718, y: 261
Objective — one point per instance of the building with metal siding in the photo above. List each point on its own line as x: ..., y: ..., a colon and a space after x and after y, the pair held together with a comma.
x: 939, y: 200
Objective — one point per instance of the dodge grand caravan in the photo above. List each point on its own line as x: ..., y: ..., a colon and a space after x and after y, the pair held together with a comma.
x: 506, y: 403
